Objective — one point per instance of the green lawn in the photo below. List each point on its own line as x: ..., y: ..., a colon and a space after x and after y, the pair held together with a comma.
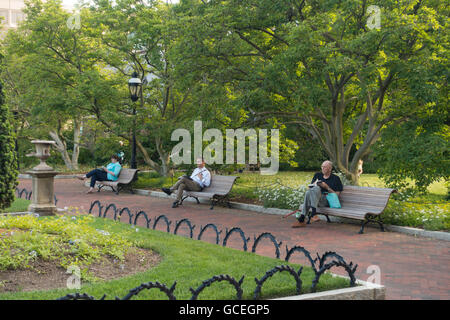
x: 189, y: 262
x: 19, y: 205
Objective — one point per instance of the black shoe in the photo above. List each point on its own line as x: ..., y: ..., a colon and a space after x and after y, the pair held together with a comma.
x: 167, y: 191
x: 175, y: 204
x: 312, y: 214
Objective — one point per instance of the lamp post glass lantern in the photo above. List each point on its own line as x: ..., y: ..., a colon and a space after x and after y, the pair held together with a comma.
x: 135, y: 87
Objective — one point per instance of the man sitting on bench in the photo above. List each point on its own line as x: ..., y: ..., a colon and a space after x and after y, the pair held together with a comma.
x: 322, y: 183
x: 199, y: 179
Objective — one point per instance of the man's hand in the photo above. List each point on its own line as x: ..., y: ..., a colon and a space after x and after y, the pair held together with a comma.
x: 200, y: 175
x: 325, y: 186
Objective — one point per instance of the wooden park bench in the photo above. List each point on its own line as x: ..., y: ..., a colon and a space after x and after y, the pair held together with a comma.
x: 126, y: 179
x: 217, y: 191
x: 360, y: 203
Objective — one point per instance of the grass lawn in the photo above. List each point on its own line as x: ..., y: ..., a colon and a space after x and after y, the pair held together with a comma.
x: 189, y: 262
x: 19, y: 205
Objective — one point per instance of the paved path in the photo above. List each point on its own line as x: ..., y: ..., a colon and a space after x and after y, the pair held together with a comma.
x: 411, y: 267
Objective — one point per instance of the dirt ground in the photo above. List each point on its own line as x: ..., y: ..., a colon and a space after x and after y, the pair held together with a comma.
x: 46, y: 275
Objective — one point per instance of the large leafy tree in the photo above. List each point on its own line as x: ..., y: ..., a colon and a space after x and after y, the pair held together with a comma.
x: 139, y: 36
x: 316, y: 64
x: 52, y: 76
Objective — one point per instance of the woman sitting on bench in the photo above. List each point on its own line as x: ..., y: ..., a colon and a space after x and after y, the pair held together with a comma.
x: 110, y: 173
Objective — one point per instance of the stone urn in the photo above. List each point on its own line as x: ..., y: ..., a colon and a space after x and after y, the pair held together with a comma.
x: 42, y: 197
x: 42, y: 153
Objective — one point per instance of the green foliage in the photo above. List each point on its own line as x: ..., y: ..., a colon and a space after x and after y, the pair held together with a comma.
x: 8, y: 160
x: 63, y: 239
x: 283, y: 197
x: 430, y: 216
x: 417, y: 151
x: 19, y: 205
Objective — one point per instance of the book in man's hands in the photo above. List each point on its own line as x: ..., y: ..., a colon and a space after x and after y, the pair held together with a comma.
x: 314, y: 184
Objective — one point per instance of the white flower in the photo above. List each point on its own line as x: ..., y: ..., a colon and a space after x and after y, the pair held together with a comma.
x: 105, y: 233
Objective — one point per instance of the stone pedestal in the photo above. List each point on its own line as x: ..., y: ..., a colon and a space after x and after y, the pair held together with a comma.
x: 42, y: 198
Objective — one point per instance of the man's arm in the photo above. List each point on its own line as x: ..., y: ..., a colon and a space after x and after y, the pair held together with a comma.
x: 329, y: 189
x: 194, y: 173
x: 206, y: 180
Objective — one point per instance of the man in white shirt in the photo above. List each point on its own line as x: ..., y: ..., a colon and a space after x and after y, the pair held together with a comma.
x: 199, y: 179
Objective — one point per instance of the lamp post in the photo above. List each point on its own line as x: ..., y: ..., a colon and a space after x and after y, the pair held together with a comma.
x: 135, y: 87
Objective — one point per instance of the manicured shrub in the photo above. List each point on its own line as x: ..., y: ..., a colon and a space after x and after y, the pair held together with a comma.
x: 8, y: 163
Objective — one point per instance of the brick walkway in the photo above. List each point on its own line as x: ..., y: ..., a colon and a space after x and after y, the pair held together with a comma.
x: 411, y: 267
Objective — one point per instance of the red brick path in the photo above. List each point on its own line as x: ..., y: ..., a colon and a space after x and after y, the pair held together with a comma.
x: 411, y: 267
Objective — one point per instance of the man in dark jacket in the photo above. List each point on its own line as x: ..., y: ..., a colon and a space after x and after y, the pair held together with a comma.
x: 322, y: 183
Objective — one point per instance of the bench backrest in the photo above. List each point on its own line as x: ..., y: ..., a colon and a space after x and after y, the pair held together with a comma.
x: 373, y: 199
x: 220, y: 184
x: 126, y: 175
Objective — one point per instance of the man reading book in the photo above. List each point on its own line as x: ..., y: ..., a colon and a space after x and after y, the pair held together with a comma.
x: 199, y: 179
x: 322, y: 183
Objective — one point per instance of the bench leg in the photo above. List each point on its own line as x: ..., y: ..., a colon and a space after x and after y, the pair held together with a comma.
x: 182, y: 199
x: 363, y: 223
x: 380, y: 222
x: 328, y: 219
x: 214, y: 201
x: 368, y: 219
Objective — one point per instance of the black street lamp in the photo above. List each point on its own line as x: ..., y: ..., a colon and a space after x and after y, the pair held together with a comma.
x: 135, y: 87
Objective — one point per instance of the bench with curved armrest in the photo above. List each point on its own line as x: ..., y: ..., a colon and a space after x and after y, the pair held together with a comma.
x: 360, y: 203
x: 125, y: 179
x: 217, y: 191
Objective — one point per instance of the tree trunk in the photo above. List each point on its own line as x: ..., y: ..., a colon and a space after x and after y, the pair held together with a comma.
x: 165, y: 158
x: 77, y: 127
x: 61, y: 145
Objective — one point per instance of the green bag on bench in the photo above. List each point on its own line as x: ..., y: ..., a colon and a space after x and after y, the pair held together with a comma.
x: 333, y: 200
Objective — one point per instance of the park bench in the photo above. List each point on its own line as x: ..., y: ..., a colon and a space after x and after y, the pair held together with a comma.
x: 360, y: 203
x: 125, y: 179
x: 217, y: 191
